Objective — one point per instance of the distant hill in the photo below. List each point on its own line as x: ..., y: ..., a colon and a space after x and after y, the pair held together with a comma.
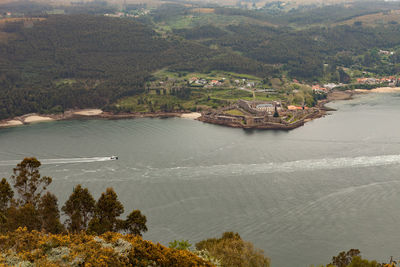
x: 90, y: 61
x: 55, y: 62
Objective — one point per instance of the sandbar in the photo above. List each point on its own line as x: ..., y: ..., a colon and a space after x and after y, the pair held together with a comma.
x: 193, y: 115
x: 10, y: 123
x: 380, y: 90
x: 88, y: 112
x: 35, y: 118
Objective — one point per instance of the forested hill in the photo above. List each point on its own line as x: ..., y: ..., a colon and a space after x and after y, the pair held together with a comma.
x: 49, y: 63
x: 302, y: 51
x: 70, y: 61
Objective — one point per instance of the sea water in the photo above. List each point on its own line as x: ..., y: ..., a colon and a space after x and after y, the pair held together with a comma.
x: 302, y: 196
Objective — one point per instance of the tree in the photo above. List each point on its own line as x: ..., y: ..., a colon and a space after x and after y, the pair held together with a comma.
x: 28, y: 182
x: 23, y: 216
x: 135, y: 223
x: 357, y: 261
x: 49, y: 214
x: 6, y: 194
x: 107, y: 210
x: 343, y: 76
x: 79, y: 209
x: 352, y: 258
x: 345, y: 258
x: 3, y: 219
x: 276, y: 113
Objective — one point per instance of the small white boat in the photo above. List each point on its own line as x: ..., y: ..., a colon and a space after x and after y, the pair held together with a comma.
x: 113, y: 157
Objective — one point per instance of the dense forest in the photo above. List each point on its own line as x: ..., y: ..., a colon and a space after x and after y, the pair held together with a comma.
x: 304, y: 52
x: 82, y: 58
x: 71, y: 61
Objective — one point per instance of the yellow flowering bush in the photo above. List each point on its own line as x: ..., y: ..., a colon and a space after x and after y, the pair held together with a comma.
x: 110, y: 249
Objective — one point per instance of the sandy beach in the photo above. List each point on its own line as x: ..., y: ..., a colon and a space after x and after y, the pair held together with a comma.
x: 10, y: 123
x: 380, y: 90
x: 36, y: 118
x: 88, y: 112
x: 193, y: 115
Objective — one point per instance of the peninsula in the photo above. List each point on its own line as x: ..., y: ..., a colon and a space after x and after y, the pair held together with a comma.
x: 262, y: 115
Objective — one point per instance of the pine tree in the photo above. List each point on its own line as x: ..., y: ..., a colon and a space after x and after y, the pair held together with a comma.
x: 107, y: 210
x: 28, y: 182
x: 79, y: 209
x: 49, y: 214
x: 135, y: 223
x: 6, y: 195
x: 24, y: 216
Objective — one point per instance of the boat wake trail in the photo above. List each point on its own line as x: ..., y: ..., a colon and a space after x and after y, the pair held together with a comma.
x: 276, y: 167
x: 59, y: 161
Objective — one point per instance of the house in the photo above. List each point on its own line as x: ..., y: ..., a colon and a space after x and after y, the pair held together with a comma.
x: 115, y: 15
x: 250, y: 84
x: 267, y: 90
x: 385, y: 52
x: 367, y: 80
x: 390, y: 79
x: 193, y: 79
x: 291, y: 107
x: 330, y: 86
x: 360, y: 80
x: 201, y: 81
x: 215, y: 83
x: 319, y: 89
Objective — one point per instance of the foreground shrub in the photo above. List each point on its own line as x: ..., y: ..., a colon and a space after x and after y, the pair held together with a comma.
x: 231, y: 250
x: 352, y: 258
x: 23, y: 248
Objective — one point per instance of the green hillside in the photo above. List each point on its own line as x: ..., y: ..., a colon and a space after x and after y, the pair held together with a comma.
x: 70, y: 61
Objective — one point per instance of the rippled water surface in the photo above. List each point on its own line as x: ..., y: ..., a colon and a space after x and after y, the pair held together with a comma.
x: 302, y: 195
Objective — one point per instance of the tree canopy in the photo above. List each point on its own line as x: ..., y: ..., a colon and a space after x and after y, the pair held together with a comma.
x: 37, y: 209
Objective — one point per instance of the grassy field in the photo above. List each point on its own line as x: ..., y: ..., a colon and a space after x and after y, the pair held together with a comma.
x: 213, y: 75
x: 235, y: 112
x: 199, y: 99
x: 161, y: 92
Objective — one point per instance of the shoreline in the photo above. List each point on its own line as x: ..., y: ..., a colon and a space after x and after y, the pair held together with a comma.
x: 318, y: 113
x: 335, y: 96
x: 380, y: 90
x: 32, y: 118
x: 320, y: 110
x: 75, y: 114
